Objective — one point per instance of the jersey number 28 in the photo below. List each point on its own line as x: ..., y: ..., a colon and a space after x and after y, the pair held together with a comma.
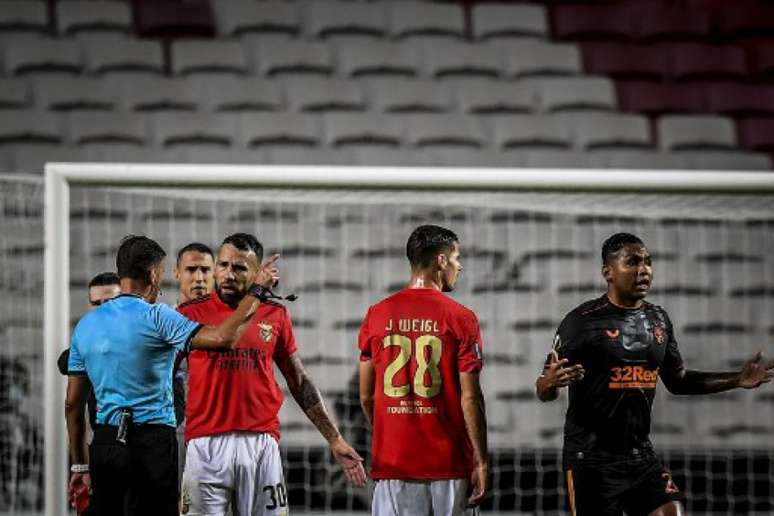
x: 423, y: 365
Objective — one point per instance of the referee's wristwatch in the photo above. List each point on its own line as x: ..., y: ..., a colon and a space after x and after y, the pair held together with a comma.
x: 79, y: 468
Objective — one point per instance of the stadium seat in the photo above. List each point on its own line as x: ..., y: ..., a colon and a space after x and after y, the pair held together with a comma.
x: 654, y: 98
x: 425, y: 19
x: 557, y: 158
x: 375, y: 58
x: 72, y: 94
x: 361, y: 130
x: 639, y: 159
x: 685, y: 132
x: 76, y: 16
x: 763, y: 59
x: 323, y: 94
x: 227, y: 93
x: 45, y: 55
x: 404, y: 95
x: 31, y: 159
x: 693, y: 61
x: 606, y: 130
x: 477, y: 158
x: 738, y: 100
x: 574, y: 93
x: 757, y: 134
x: 526, y: 132
x: 135, y: 56
x: 523, y: 58
x: 624, y: 61
x: 595, y: 22
x: 726, y: 160
x: 149, y: 93
x: 160, y: 19
x: 84, y: 128
x: 443, y: 130
x: 752, y: 20
x: 312, y: 157
x: 14, y: 94
x: 338, y: 18
x: 24, y: 15
x: 208, y: 154
x: 30, y: 126
x: 441, y: 58
x: 660, y: 21
x: 195, y: 56
x: 484, y: 96
x: 261, y: 130
x: 242, y: 17
x: 378, y: 157
x: 292, y: 57
x: 173, y: 129
x: 491, y: 20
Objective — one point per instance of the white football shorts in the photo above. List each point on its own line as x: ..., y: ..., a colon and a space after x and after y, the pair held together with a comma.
x: 421, y: 498
x: 240, y: 472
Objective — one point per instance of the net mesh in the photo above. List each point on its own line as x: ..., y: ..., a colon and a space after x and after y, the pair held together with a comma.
x: 528, y: 257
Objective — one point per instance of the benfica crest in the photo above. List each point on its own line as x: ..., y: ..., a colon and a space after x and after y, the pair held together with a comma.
x: 266, y: 331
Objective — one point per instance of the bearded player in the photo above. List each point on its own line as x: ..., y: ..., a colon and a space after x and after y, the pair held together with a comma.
x: 420, y: 358
x: 618, y: 345
x: 232, y: 457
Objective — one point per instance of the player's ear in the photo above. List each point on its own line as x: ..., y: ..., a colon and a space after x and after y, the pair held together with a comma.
x: 442, y: 261
x: 607, y: 272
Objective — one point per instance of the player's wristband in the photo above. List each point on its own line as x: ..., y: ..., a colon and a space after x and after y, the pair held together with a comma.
x: 79, y: 468
x: 260, y: 293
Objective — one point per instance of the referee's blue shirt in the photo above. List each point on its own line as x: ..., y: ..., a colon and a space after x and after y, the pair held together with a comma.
x: 127, y: 348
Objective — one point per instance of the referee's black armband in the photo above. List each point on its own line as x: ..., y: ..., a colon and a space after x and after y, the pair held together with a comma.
x: 187, y: 348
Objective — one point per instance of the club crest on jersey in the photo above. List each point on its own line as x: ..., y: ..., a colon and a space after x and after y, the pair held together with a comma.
x: 266, y: 331
x: 658, y: 333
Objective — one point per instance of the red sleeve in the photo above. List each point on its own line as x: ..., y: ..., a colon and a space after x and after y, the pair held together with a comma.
x: 286, y: 345
x: 470, y: 358
x: 364, y: 339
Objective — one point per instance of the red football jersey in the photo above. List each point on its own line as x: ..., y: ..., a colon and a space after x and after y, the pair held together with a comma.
x: 419, y: 340
x: 235, y: 391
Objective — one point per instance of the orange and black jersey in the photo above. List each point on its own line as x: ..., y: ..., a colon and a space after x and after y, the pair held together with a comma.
x: 623, y: 352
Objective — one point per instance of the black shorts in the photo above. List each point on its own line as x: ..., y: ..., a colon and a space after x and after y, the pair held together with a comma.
x: 637, y: 484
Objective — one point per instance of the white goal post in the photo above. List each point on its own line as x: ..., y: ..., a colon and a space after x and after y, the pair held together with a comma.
x: 59, y: 177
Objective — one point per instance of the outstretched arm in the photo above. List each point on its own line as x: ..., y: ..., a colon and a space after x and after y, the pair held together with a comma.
x: 754, y: 373
x: 311, y: 402
x: 474, y: 412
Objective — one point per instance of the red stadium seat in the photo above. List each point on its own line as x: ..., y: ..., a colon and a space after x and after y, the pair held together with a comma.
x: 757, y: 134
x: 593, y: 22
x: 691, y: 61
x: 174, y: 19
x: 749, y: 20
x: 624, y: 61
x: 658, y: 98
x: 671, y: 22
x: 740, y: 99
x: 763, y: 59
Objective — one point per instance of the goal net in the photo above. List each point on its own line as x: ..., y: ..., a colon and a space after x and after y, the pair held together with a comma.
x: 530, y: 254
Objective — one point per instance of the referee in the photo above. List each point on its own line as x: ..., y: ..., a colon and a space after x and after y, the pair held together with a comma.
x: 126, y: 348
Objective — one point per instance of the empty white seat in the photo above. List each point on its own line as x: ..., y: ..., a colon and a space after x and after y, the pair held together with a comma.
x: 92, y: 127
x: 677, y: 132
x: 27, y: 15
x: 42, y: 55
x: 210, y: 154
x: 523, y: 58
x: 324, y: 94
x: 238, y: 17
x: 314, y: 157
x: 30, y: 126
x: 404, y: 95
x: 574, y: 93
x: 14, y: 94
x: 484, y: 96
x: 72, y: 93
x: 638, y: 159
x: 171, y: 129
x: 446, y: 130
x: 278, y: 129
x: 501, y: 20
x: 104, y: 16
x: 605, y: 130
x: 441, y: 58
x: 337, y: 18
x: 193, y: 56
x: 375, y: 58
x: 128, y: 154
x: 726, y: 160
x: 380, y: 157
x: 127, y: 55
x: 151, y: 93
x: 219, y: 92
x: 539, y: 158
x: 528, y: 131
x: 464, y: 157
x: 425, y: 19
x: 361, y: 129
x: 293, y: 57
x: 31, y: 159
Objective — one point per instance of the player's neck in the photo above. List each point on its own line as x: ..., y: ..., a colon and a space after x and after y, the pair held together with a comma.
x: 623, y: 302
x: 426, y: 280
x: 135, y: 288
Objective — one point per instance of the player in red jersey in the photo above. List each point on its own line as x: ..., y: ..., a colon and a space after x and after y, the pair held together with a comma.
x: 420, y: 359
x: 232, y: 457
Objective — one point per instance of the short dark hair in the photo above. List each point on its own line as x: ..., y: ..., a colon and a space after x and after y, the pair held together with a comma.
x: 426, y: 242
x: 616, y: 242
x: 104, y: 279
x: 245, y: 242
x: 194, y: 246
x: 136, y: 256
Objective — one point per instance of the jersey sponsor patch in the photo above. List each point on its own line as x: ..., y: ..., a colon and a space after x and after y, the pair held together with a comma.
x: 633, y: 377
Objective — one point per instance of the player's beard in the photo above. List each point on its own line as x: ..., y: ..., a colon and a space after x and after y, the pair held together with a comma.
x: 230, y: 298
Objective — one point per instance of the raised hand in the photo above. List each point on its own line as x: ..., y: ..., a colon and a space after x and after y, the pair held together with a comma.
x: 558, y: 374
x: 268, y: 274
x: 756, y: 371
x: 350, y: 461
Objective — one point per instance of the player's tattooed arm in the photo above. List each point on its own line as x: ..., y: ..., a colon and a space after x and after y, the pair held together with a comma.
x: 755, y: 372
